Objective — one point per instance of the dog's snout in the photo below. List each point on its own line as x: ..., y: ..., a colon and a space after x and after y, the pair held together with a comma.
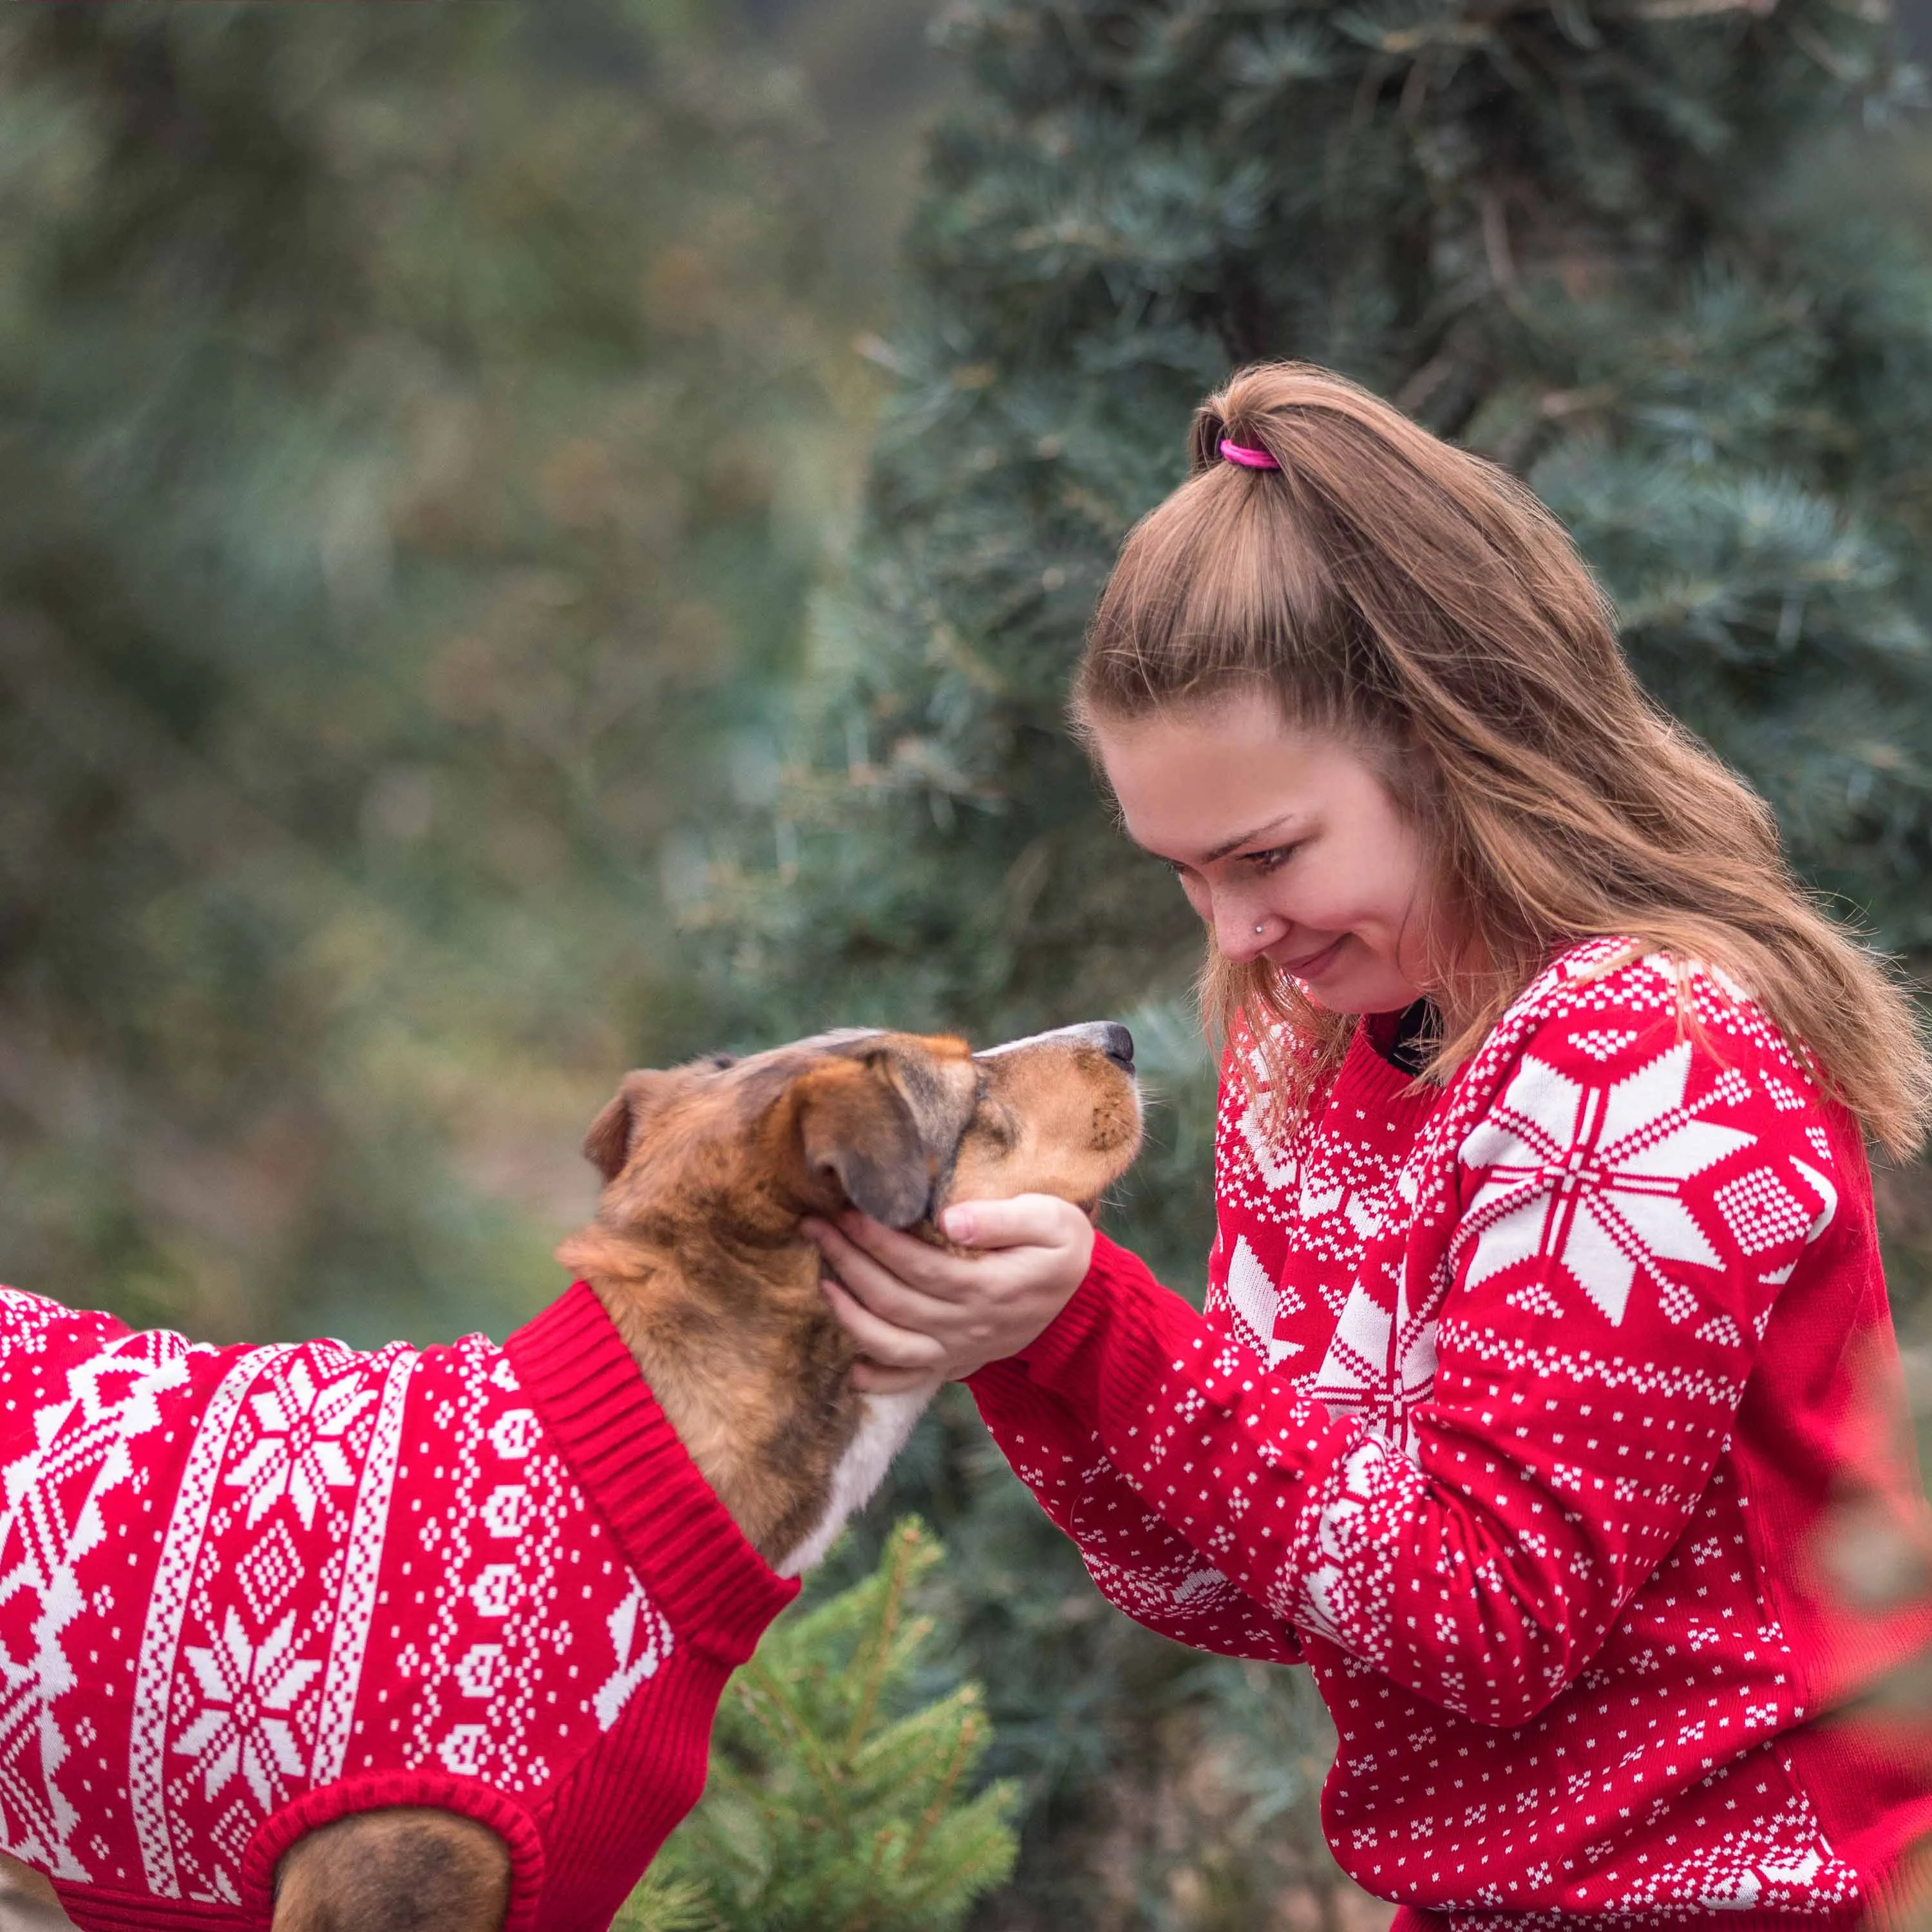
x: 1111, y: 1038
x: 1109, y: 1035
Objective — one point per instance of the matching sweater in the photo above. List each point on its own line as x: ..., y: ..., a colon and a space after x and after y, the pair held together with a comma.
x: 246, y: 1590
x: 1526, y: 1412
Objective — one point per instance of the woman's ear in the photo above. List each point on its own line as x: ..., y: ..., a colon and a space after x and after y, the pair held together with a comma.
x: 614, y: 1135
x: 856, y: 1137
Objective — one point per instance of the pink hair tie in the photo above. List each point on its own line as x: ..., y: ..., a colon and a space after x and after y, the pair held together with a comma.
x: 1248, y: 459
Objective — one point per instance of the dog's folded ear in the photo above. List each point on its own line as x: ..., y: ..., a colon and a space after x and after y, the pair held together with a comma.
x: 613, y: 1134
x: 857, y: 1137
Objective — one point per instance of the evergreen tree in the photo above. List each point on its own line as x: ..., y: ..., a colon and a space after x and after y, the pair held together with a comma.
x: 1597, y: 239
x: 842, y: 1795
x: 1577, y: 238
x: 412, y: 419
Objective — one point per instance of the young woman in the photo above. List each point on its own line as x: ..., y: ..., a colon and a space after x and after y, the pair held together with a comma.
x: 1546, y: 1340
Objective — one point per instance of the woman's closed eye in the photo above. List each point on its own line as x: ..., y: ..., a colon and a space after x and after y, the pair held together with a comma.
x: 1272, y: 860
x: 1262, y: 862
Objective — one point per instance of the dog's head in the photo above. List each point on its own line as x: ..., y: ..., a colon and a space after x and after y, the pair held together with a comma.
x: 894, y: 1124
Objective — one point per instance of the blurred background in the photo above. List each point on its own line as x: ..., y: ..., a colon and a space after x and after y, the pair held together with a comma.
x: 533, y: 544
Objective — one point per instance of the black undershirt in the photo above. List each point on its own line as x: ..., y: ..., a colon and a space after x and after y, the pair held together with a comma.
x: 1405, y: 1039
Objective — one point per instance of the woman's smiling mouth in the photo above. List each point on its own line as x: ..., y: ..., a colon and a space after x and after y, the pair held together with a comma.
x: 1313, y: 964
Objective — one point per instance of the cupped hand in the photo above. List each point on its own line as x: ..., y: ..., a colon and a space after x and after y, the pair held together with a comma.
x: 918, y: 1312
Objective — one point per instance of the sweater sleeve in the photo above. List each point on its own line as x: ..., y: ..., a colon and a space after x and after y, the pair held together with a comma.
x: 1620, y: 1212
x: 1139, y: 1562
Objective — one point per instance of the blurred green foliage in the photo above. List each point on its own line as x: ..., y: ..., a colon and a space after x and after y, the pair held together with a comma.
x: 842, y: 1792
x: 424, y: 429
x: 1626, y: 247
x: 421, y: 427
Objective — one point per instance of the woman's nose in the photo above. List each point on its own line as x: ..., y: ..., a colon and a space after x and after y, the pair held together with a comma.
x: 1235, y: 936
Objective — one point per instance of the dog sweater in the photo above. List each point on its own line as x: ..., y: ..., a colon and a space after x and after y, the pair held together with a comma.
x: 244, y: 1592
x: 1536, y: 1414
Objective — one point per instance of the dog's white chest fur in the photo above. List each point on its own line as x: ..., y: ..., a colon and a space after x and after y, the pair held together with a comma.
x: 882, y: 1433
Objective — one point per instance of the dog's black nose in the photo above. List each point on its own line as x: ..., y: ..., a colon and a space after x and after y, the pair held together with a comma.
x: 1117, y: 1044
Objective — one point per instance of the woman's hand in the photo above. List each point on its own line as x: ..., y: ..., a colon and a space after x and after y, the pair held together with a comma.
x: 917, y: 1311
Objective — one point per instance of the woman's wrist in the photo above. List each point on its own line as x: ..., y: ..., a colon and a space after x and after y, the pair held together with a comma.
x: 1070, y: 1323
x: 1119, y: 1326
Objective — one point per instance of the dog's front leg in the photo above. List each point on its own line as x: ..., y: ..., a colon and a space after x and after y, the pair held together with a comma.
x: 28, y: 1903
x: 402, y: 1870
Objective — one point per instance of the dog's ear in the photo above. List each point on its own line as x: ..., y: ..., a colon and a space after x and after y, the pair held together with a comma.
x: 857, y: 1135
x: 613, y: 1134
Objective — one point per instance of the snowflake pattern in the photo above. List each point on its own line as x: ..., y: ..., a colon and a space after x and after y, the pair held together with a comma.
x: 1590, y: 1179
x: 249, y: 1691
x: 1463, y: 1405
x: 298, y: 1452
x: 294, y: 1631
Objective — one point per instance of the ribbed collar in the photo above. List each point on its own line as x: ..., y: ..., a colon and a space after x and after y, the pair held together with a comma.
x: 717, y: 1590
x: 1366, y: 1081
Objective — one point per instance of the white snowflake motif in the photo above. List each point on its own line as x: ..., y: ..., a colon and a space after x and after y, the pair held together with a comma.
x: 299, y: 1453
x: 642, y: 1640
x: 245, y: 1726
x: 1591, y: 1178
x: 1256, y: 1303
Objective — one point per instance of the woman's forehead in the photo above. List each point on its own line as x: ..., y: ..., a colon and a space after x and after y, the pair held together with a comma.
x: 1197, y: 784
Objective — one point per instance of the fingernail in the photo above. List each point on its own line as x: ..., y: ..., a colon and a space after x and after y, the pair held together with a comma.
x: 958, y: 1224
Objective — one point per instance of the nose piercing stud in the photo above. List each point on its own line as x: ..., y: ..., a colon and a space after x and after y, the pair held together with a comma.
x: 1261, y: 928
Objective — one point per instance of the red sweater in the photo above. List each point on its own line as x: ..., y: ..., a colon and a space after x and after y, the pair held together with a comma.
x: 244, y: 1591
x: 1515, y: 1413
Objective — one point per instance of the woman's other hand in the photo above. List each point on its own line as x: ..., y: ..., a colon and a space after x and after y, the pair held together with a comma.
x: 917, y: 1311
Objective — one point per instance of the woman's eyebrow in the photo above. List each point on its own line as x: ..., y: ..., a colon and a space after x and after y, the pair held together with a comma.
x: 1227, y: 845
x: 1234, y: 844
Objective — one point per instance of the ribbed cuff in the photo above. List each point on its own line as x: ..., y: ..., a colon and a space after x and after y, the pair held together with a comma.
x: 1094, y: 1340
x: 383, y: 1791
x: 716, y: 1589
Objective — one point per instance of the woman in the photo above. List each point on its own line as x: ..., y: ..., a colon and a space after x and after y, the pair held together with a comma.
x: 1545, y: 1326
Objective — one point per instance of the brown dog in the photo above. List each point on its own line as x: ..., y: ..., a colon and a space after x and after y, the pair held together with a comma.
x: 695, y: 1256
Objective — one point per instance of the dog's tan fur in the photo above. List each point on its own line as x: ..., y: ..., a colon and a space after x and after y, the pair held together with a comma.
x: 695, y: 1252
x: 696, y: 1255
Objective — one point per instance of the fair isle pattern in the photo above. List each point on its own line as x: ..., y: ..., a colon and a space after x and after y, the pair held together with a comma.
x: 257, y: 1597
x: 1461, y: 1417
x: 487, y: 1554
x: 54, y: 1523
x: 256, y: 1604
x: 361, y: 1557
x: 167, y: 1602
x: 1153, y: 1574
x: 1331, y: 1179
x: 1590, y: 1180
x: 1777, y: 1860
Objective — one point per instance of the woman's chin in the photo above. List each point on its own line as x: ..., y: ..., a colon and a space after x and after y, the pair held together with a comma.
x: 1345, y: 988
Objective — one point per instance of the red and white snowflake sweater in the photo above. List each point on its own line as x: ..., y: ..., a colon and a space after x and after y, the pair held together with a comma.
x: 244, y: 1591
x: 1516, y: 1412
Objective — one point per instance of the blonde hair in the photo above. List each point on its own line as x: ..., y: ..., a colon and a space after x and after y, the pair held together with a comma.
x: 1421, y: 602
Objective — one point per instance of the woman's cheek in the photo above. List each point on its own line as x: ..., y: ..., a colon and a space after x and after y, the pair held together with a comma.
x: 1319, y: 902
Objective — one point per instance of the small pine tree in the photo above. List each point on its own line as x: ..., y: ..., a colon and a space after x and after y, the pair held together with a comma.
x: 839, y: 1802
